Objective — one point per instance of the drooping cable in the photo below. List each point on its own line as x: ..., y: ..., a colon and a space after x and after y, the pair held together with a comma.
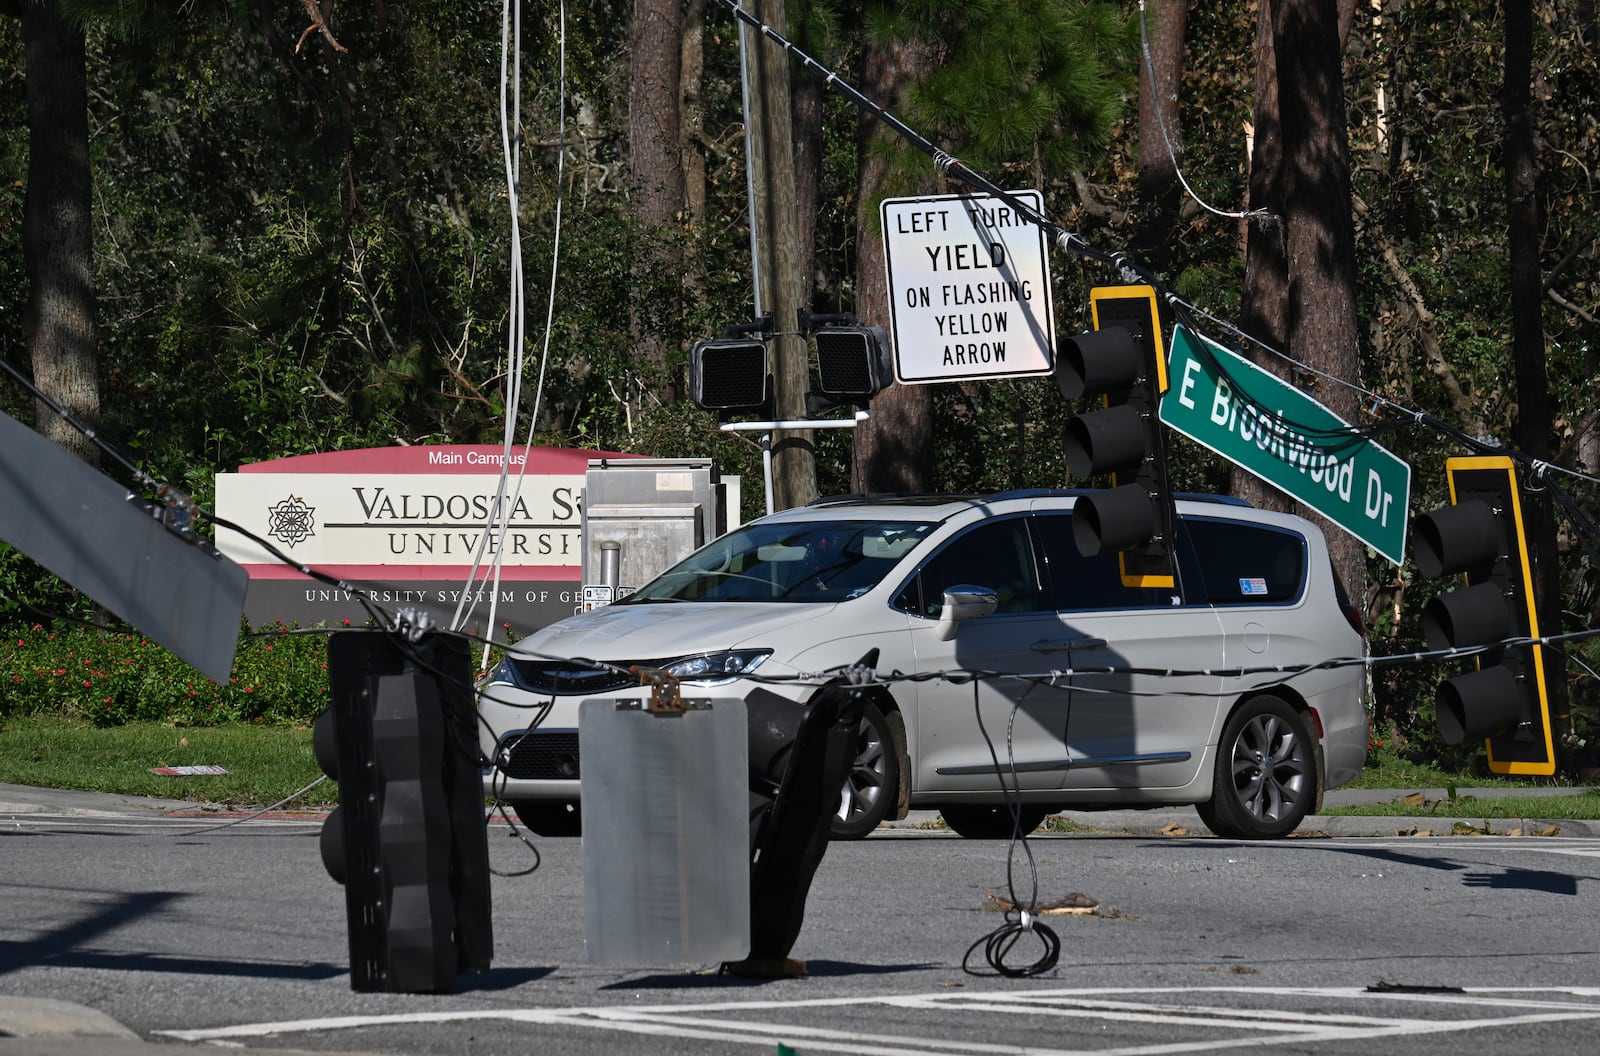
x: 511, y: 159
x: 549, y: 322
x: 507, y: 493
x: 1172, y: 152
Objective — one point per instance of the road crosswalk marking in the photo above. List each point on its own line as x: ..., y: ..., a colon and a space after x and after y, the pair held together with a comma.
x: 1197, y: 1019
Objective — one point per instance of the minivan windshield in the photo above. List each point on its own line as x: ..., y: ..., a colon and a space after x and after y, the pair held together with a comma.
x: 789, y: 561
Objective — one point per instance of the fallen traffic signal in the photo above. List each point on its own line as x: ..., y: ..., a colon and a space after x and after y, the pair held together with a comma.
x: 800, y: 756
x: 1122, y: 361
x: 1504, y: 701
x: 407, y: 840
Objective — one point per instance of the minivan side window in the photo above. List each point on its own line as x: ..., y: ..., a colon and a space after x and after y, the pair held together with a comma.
x: 1078, y: 583
x: 998, y: 555
x: 1248, y: 564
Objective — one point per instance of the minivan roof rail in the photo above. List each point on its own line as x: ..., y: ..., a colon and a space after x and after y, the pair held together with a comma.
x: 928, y: 497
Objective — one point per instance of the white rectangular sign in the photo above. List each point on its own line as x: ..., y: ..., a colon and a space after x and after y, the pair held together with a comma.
x: 969, y: 288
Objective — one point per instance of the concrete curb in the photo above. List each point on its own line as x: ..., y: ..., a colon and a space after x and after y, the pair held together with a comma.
x: 1187, y: 823
x: 25, y: 799
x: 42, y: 1026
x: 1184, y: 822
x: 43, y: 1017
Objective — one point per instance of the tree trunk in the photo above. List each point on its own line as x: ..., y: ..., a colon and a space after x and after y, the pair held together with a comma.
x: 806, y: 95
x: 893, y: 449
x: 1300, y: 271
x: 1533, y: 409
x: 1160, y: 141
x: 57, y: 239
x: 656, y: 163
x: 691, y: 135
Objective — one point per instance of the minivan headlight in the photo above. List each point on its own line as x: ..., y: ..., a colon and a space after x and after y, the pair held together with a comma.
x: 717, y: 668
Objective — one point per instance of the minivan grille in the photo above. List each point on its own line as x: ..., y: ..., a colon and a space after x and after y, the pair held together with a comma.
x: 569, y: 679
x: 540, y: 755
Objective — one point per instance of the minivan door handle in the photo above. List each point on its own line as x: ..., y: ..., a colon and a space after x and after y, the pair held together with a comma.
x: 1044, y: 645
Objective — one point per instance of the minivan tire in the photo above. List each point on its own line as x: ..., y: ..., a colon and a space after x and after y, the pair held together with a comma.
x: 992, y: 823
x: 545, y: 817
x: 872, y: 787
x: 1266, y: 772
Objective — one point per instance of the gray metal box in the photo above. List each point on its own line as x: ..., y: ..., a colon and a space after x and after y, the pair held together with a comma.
x: 658, y: 510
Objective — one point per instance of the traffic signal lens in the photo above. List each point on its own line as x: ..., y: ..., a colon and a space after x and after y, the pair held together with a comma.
x: 1473, y: 616
x: 1112, y: 520
x: 331, y: 843
x: 1456, y: 538
x: 1478, y: 704
x: 1104, y: 441
x: 853, y: 362
x: 1098, y: 362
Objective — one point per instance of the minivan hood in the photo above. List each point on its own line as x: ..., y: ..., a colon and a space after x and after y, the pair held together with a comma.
x: 662, y: 630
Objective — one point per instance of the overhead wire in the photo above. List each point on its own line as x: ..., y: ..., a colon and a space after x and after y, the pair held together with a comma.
x: 1172, y: 152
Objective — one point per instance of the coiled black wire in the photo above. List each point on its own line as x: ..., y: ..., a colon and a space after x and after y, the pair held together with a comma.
x: 1019, y: 921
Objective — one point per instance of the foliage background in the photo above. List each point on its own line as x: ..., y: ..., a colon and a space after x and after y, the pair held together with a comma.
x: 298, y: 255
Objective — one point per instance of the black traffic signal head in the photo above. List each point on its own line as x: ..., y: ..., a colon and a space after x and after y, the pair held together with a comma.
x: 854, y: 363
x: 1123, y: 362
x: 407, y: 839
x: 1503, y: 700
x: 730, y: 375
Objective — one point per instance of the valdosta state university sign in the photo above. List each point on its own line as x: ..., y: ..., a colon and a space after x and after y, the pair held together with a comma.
x: 405, y: 524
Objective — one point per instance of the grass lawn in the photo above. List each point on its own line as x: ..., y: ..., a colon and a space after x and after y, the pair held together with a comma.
x: 264, y: 763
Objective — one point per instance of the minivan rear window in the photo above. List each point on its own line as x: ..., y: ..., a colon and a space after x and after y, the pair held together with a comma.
x: 1079, y: 583
x: 1247, y: 564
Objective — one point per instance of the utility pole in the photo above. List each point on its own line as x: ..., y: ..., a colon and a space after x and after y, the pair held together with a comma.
x: 781, y: 286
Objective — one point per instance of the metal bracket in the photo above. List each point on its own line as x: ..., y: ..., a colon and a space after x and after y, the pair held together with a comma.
x: 666, y: 695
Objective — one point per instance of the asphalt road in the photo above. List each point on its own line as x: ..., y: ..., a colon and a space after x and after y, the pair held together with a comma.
x: 182, y: 931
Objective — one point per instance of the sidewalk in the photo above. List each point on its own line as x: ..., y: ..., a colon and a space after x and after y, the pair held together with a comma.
x: 1165, y: 821
x: 1156, y: 821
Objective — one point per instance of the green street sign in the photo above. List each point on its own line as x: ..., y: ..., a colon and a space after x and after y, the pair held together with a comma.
x: 1257, y: 421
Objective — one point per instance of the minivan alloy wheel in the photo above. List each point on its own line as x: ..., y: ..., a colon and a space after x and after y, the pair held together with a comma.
x: 1266, y: 772
x: 868, y: 795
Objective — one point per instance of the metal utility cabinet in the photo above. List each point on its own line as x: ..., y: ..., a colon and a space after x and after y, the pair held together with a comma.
x: 641, y: 515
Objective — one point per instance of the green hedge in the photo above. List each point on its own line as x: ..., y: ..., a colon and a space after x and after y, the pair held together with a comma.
x: 111, y: 677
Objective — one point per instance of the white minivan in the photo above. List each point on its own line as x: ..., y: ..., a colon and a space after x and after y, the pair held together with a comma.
x: 1004, y: 658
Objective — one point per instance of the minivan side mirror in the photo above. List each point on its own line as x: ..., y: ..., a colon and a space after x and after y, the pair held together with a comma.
x: 964, y: 601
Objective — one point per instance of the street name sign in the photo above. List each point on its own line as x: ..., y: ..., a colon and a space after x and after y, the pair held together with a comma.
x: 969, y: 288
x: 1260, y: 422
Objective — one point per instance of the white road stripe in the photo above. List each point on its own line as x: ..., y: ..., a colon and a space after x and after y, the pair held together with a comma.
x: 1262, y: 1026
